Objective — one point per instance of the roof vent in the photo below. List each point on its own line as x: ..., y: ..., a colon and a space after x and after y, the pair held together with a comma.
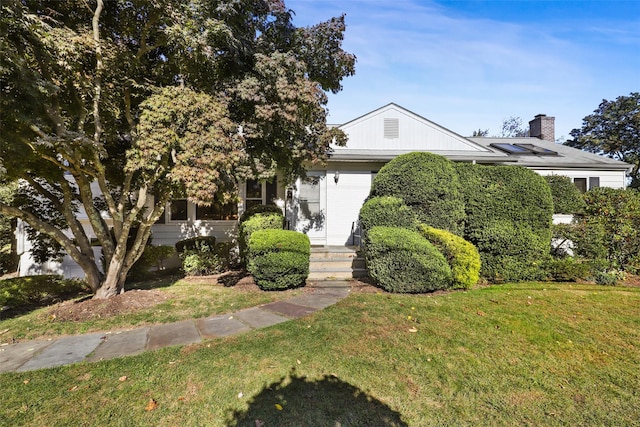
x: 391, y: 129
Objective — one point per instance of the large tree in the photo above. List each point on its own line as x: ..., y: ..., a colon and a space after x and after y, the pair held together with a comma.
x: 110, y: 108
x: 614, y: 130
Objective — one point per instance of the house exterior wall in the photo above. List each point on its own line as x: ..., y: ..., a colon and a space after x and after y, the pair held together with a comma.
x: 613, y: 179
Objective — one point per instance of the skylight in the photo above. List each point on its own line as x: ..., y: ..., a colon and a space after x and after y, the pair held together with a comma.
x: 524, y: 149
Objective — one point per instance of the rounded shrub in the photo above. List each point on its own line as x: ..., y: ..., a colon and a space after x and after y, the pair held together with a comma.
x: 401, y: 260
x: 278, y: 259
x: 258, y: 221
x: 387, y: 211
x: 259, y: 209
x: 567, y: 199
x: 201, y: 263
x: 428, y: 184
x: 509, y: 212
x: 462, y: 256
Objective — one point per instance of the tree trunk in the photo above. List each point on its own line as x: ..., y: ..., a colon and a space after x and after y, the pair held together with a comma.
x: 112, y: 284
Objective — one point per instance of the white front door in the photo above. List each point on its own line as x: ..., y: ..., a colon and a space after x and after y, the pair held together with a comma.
x: 310, y: 210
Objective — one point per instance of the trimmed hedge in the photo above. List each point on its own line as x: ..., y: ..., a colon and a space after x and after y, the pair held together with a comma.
x: 387, y: 211
x: 428, y: 184
x: 259, y: 209
x: 278, y: 259
x: 258, y: 221
x: 509, y: 213
x: 401, y: 260
x: 462, y: 256
x: 202, y: 263
x: 567, y: 199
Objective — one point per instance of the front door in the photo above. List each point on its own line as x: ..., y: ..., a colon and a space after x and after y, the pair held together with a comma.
x: 310, y: 209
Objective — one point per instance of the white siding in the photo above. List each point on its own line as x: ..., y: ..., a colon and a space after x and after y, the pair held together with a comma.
x: 172, y: 232
x: 613, y: 179
x: 414, y: 133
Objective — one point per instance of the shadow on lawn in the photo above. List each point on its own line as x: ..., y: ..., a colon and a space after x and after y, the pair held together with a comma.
x: 298, y: 401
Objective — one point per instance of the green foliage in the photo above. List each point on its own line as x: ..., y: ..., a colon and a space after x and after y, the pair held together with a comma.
x: 509, y: 211
x: 259, y: 209
x: 428, y: 184
x: 613, y: 129
x: 567, y: 199
x: 258, y: 221
x: 8, y: 258
x: 462, y: 256
x: 22, y: 291
x: 567, y: 269
x: 279, y: 259
x: 201, y: 263
x: 606, y: 278
x: 386, y: 211
x: 401, y: 260
x: 199, y: 243
x: 145, y: 98
x: 609, y: 228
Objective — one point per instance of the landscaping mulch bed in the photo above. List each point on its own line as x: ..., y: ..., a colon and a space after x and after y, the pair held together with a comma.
x: 88, y: 309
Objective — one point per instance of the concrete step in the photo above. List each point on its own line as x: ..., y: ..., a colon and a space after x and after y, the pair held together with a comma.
x: 335, y: 263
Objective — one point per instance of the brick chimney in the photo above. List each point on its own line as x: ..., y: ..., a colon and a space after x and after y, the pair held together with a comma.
x: 543, y: 127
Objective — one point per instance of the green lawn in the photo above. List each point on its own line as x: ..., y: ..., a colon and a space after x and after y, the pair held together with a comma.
x: 185, y: 299
x: 526, y: 354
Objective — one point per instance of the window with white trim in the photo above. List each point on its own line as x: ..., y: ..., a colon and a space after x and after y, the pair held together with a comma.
x: 586, y: 184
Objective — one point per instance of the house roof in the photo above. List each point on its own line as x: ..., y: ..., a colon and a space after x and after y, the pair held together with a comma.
x: 566, y: 158
x: 391, y: 130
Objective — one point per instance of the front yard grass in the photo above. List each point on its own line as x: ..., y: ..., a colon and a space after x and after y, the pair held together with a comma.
x: 525, y: 354
x: 182, y: 299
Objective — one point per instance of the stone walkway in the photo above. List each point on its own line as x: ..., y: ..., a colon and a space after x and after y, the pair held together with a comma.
x: 32, y: 355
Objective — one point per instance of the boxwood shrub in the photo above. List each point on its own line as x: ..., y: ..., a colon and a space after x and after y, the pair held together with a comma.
x: 401, y: 260
x: 508, y: 218
x: 387, y: 211
x: 462, y: 256
x: 428, y: 184
x: 259, y: 209
x: 278, y: 259
x: 258, y: 221
x: 567, y: 199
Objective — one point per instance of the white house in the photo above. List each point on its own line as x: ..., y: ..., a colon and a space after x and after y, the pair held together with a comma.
x: 325, y: 205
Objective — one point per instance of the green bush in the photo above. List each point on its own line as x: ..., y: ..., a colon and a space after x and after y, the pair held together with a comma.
x: 428, y: 184
x: 258, y: 221
x: 27, y: 290
x: 278, y: 259
x: 199, y: 243
x: 259, y: 209
x: 609, y: 228
x: 152, y: 256
x: 567, y: 199
x: 201, y: 263
x: 462, y: 256
x: 567, y: 269
x: 606, y: 278
x: 509, y: 212
x: 401, y: 260
x: 387, y: 211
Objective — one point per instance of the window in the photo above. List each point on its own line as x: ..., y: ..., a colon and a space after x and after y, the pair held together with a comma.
x: 178, y: 210
x: 581, y: 184
x: 585, y: 184
x: 523, y: 149
x: 260, y: 192
x: 253, y: 195
x: 217, y: 211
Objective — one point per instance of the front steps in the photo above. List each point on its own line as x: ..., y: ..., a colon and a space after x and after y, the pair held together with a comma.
x: 336, y: 263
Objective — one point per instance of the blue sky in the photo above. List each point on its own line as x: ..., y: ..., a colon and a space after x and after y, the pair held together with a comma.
x: 471, y: 64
